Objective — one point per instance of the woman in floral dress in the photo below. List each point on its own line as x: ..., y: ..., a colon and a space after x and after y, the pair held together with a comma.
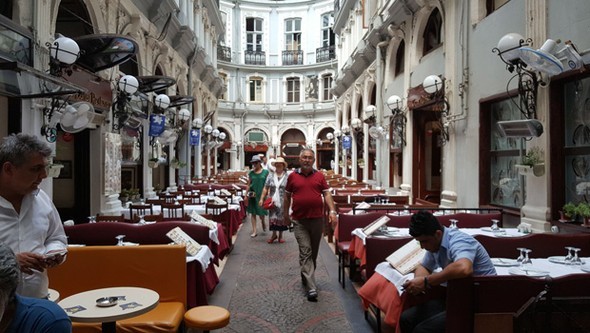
x: 276, y: 181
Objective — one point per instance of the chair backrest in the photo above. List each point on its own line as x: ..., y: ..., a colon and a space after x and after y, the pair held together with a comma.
x: 195, y: 199
x: 215, y: 208
x: 173, y: 211
x: 167, y: 197
x: 377, y: 249
x: 347, y: 223
x: 110, y: 218
x: 141, y: 209
x: 542, y: 245
x: 149, y: 218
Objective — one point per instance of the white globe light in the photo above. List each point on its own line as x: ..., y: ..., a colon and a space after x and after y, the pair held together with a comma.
x: 345, y: 129
x: 128, y: 84
x: 432, y: 83
x: 370, y: 111
x: 65, y: 50
x: 394, y: 102
x: 208, y: 128
x: 215, y: 133
x: 162, y: 101
x: 337, y: 133
x: 222, y: 136
x: 330, y: 136
x: 356, y: 123
x: 184, y: 115
x: 509, y: 45
x: 197, y: 123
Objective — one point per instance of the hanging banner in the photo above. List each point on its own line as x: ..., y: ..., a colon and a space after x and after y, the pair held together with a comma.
x: 347, y: 142
x: 157, y: 124
x: 195, y: 137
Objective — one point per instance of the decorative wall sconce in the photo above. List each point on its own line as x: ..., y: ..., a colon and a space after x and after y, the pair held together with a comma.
x: 337, y: 134
x: 434, y: 86
x: 63, y: 53
x: 330, y: 137
x: 162, y: 101
x: 398, y: 119
x: 370, y: 112
x: 126, y: 88
x: 197, y: 123
x: 345, y: 129
x: 183, y: 116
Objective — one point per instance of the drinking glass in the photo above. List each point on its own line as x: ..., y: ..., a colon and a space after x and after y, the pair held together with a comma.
x: 120, y: 240
x: 141, y: 220
x: 576, y: 260
x: 568, y: 259
x: 453, y: 224
x: 92, y: 219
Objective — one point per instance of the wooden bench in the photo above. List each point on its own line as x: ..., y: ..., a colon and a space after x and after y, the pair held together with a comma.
x: 161, y: 268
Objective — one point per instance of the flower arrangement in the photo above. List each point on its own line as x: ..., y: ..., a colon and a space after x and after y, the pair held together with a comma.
x: 533, y: 157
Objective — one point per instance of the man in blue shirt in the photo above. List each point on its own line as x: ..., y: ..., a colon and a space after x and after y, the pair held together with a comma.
x: 24, y: 314
x: 451, y: 254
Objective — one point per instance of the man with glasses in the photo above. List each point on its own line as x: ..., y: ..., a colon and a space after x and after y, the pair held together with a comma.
x: 29, y: 222
x: 308, y: 190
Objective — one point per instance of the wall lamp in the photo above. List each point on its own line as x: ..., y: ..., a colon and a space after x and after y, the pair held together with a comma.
x: 330, y: 137
x: 127, y: 86
x: 434, y: 86
x: 398, y: 119
x: 197, y: 123
x: 370, y: 112
x: 63, y: 53
x: 356, y: 124
x: 345, y: 129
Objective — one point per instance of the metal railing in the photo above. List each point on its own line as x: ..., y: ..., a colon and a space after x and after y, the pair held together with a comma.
x: 293, y: 57
x: 255, y: 57
x: 325, y: 53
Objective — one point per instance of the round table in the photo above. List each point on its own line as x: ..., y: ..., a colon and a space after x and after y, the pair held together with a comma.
x: 53, y: 295
x: 132, y: 302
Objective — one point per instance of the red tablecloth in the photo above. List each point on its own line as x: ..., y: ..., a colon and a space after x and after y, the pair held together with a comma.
x: 357, y: 250
x: 199, y: 283
x: 383, y: 294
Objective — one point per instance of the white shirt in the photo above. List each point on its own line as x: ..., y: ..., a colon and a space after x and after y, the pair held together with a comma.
x: 269, y: 165
x: 36, y: 229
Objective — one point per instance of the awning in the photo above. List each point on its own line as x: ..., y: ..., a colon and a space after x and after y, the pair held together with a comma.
x: 22, y: 81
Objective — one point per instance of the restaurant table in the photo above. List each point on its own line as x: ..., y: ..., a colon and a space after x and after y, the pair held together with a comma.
x: 382, y: 289
x: 133, y: 301
x: 53, y: 295
x: 188, y: 209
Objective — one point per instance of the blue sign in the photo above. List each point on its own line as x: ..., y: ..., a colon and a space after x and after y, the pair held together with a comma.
x: 195, y: 137
x: 157, y: 124
x: 347, y: 142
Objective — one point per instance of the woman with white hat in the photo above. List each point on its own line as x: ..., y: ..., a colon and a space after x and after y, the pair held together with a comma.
x: 275, y: 189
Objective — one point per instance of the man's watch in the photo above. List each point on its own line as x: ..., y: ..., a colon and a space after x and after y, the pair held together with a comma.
x: 333, y: 212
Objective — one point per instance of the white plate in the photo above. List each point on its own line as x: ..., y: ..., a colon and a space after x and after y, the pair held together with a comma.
x: 504, y: 262
x: 559, y: 260
x: 527, y: 272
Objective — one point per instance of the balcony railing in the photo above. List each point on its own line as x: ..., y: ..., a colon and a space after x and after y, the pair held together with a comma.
x: 224, y: 53
x: 255, y: 57
x: 293, y: 57
x: 325, y: 53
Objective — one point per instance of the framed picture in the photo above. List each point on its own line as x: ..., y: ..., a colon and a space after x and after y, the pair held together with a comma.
x: 128, y: 180
x: 66, y: 171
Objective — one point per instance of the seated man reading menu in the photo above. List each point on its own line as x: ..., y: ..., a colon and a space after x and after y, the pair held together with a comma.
x: 450, y: 254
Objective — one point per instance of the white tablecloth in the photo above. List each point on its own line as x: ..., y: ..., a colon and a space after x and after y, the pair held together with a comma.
x: 404, y: 232
x: 204, y: 257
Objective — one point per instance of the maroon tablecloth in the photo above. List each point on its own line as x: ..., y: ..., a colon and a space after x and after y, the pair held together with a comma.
x: 199, y: 283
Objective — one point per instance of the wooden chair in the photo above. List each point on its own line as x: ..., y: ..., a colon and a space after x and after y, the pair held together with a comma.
x: 172, y: 211
x: 214, y: 208
x: 149, y: 218
x: 195, y: 199
x: 141, y: 209
x: 110, y: 218
x: 167, y: 197
x: 154, y: 201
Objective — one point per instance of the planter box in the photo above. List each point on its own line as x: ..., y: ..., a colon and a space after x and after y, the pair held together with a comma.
x: 537, y: 170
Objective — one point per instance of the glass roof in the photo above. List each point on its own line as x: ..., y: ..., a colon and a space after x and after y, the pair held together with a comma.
x: 21, y: 81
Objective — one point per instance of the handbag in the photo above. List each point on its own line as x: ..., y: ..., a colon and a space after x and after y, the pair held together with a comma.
x: 268, y: 204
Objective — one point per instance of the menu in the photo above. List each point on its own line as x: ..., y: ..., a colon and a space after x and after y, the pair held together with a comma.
x: 195, y: 217
x: 375, y: 225
x: 178, y: 236
x: 407, y: 257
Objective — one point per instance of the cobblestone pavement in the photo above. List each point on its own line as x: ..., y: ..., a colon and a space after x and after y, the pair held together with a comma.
x: 261, y: 287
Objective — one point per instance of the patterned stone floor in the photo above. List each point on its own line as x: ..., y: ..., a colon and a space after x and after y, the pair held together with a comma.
x: 261, y: 286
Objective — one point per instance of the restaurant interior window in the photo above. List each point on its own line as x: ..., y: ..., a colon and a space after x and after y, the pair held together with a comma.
x: 577, y: 140
x: 293, y: 90
x: 507, y: 186
x: 255, y: 89
x: 326, y: 87
x: 432, y: 32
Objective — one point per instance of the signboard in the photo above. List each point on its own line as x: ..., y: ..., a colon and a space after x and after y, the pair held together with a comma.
x: 346, y: 142
x: 195, y: 137
x: 157, y: 124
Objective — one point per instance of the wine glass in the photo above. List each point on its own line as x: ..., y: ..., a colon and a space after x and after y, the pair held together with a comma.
x: 92, y: 219
x: 576, y: 259
x: 453, y: 224
x: 521, y: 254
x: 495, y: 226
x: 526, y: 261
x: 568, y: 259
x: 120, y: 240
x: 141, y: 220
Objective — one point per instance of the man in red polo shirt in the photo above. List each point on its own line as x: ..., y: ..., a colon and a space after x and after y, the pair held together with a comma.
x: 307, y: 189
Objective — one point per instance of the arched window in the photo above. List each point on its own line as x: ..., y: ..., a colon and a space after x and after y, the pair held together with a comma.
x: 400, y: 58
x: 432, y: 32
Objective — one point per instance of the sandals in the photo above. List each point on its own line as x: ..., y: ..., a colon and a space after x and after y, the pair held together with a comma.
x: 281, y: 240
x: 272, y: 240
x: 253, y: 235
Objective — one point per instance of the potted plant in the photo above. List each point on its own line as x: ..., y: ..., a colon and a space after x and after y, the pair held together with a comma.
x: 583, y: 210
x: 532, y: 161
x: 568, y: 212
x: 124, y: 195
x: 153, y: 162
